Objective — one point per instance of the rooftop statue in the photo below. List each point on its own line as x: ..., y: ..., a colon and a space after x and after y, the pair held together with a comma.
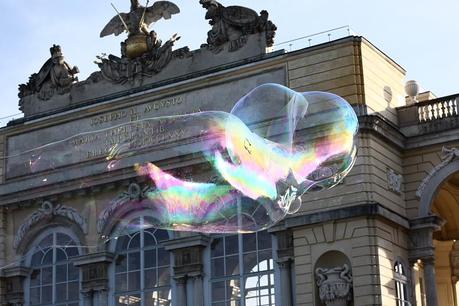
x: 142, y: 54
x: 232, y: 24
x: 55, y: 76
x: 136, y: 23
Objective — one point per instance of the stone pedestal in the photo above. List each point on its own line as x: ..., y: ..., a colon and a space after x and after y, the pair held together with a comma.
x: 94, y: 284
x: 12, y: 283
x: 188, y: 268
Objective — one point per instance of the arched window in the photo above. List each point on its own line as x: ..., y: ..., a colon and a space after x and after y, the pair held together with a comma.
x: 142, y: 266
x: 242, y: 272
x: 401, y: 284
x: 54, y: 279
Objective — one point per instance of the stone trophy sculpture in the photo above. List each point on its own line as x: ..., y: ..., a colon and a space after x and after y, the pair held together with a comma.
x: 335, y: 285
x: 233, y: 24
x: 136, y: 23
x: 142, y: 54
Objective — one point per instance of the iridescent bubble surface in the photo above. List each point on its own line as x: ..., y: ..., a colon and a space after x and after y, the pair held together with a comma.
x: 246, y: 169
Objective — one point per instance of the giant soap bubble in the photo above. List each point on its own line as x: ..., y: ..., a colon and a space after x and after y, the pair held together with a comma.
x: 251, y: 166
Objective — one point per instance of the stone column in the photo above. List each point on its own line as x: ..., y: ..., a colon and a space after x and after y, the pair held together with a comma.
x: 2, y: 252
x: 284, y: 262
x: 3, y: 231
x: 285, y: 281
x: 421, y: 247
x: 454, y: 259
x: 13, y: 283
x: 103, y: 297
x: 454, y: 280
x: 94, y: 285
x: 198, y: 290
x: 180, y: 297
x: 430, y: 281
x: 188, y: 267
x: 87, y: 297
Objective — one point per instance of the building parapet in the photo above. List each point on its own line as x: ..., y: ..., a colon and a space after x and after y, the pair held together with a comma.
x: 430, y: 116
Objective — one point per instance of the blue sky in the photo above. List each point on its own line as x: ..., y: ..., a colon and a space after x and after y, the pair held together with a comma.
x: 422, y: 36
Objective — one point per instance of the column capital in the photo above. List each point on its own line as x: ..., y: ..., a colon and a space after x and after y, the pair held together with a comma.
x: 432, y: 222
x: 421, y: 237
x: 428, y: 260
x: 87, y: 293
x: 12, y: 282
x: 93, y: 258
x: 181, y: 279
x: 284, y: 262
x: 284, y: 243
x: 187, y: 242
x: 196, y: 275
x: 188, y: 254
x: 94, y: 268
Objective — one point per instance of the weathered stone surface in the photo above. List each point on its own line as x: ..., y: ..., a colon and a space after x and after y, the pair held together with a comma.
x: 180, y: 66
x: 84, y: 148
x: 54, y: 78
x: 231, y: 25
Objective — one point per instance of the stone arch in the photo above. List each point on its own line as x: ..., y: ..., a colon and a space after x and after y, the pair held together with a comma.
x: 46, y: 217
x: 429, y: 187
x: 128, y: 214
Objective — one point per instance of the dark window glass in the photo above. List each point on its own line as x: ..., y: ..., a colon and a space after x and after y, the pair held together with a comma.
x: 142, y: 266
x: 54, y: 279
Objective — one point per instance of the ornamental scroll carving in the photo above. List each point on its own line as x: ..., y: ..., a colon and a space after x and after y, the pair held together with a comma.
x: 394, y: 181
x: 448, y: 156
x: 335, y: 285
x: 48, y: 211
x: 134, y: 192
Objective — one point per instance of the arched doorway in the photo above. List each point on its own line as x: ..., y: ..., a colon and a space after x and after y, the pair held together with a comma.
x: 434, y: 249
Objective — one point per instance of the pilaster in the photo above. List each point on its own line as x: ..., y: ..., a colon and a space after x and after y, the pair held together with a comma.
x: 421, y: 247
x: 94, y: 284
x: 285, y: 259
x: 188, y: 267
x: 12, y: 280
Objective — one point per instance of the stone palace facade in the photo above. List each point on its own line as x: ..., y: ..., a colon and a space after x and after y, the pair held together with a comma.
x: 385, y: 236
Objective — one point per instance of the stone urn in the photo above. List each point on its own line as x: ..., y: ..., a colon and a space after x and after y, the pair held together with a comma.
x: 335, y: 285
x: 412, y: 90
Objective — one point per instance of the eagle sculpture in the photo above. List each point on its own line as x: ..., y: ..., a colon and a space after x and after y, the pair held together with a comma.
x: 139, y: 18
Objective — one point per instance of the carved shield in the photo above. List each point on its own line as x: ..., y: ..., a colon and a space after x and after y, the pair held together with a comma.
x: 239, y: 16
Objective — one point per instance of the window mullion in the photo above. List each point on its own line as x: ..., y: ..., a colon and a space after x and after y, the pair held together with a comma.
x: 241, y: 270
x: 142, y: 265
x: 53, y: 278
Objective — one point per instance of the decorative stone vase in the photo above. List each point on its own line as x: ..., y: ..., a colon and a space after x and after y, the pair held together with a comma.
x: 412, y: 89
x: 335, y: 285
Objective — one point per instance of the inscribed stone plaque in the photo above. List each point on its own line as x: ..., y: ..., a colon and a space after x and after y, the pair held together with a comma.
x: 92, y: 137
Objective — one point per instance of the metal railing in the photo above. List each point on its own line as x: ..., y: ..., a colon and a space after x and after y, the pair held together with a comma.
x: 440, y: 108
x: 4, y: 120
x: 315, y: 39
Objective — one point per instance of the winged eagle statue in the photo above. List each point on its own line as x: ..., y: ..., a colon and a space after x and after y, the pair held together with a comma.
x: 136, y: 23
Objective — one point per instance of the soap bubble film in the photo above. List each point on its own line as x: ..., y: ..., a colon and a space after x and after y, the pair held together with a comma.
x: 211, y: 171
